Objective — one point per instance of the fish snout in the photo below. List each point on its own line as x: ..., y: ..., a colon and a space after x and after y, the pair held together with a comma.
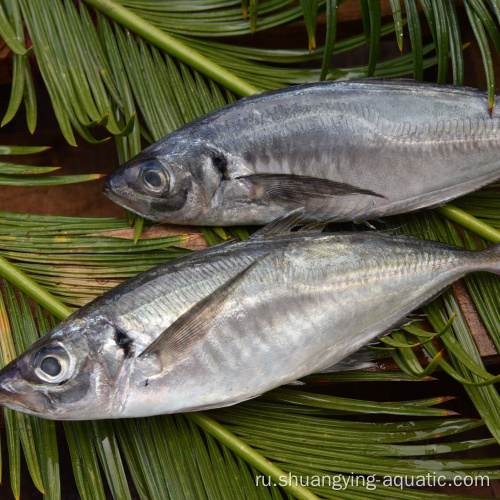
x: 112, y: 186
x: 18, y: 394
x: 106, y: 189
x: 117, y: 188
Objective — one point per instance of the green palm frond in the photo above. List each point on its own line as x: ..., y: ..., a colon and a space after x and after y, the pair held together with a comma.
x: 140, y: 70
x: 15, y: 174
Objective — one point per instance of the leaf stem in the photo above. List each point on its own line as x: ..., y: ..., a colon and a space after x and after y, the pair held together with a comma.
x: 470, y: 222
x: 173, y: 46
x: 33, y: 289
x: 248, y: 454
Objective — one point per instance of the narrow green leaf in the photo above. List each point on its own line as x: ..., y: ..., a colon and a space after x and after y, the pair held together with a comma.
x: 184, y: 445
x: 415, y: 31
x: 82, y: 482
x: 14, y: 448
x: 210, y: 237
x: 131, y: 60
x: 157, y: 485
x: 25, y: 423
x: 487, y: 21
x: 240, y: 232
x: 189, y: 84
x: 495, y: 5
x: 136, y: 455
x: 58, y: 104
x: 456, y: 50
x: 30, y: 99
x: 175, y: 450
x: 365, y: 17
x: 96, y: 70
x: 52, y: 180
x: 16, y: 92
x: 345, y: 404
x: 331, y: 35
x: 49, y: 457
x: 398, y: 22
x: 17, y: 169
x: 138, y: 225
x: 375, y: 29
x: 204, y: 464
x: 68, y: 48
x: 9, y: 34
x: 132, y: 144
x: 18, y: 63
x: 362, y: 376
x: 133, y: 462
x: 109, y: 455
x: 172, y: 110
x: 11, y: 428
x: 442, y: 38
x: 254, y: 9
x: 310, y: 12
x: 22, y: 150
x: 244, y: 9
x: 482, y: 40
x: 225, y: 488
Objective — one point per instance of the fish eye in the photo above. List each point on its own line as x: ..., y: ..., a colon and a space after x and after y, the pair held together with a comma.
x: 154, y: 177
x: 52, y: 364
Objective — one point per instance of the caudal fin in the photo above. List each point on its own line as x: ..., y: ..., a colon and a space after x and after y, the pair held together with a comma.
x: 494, y: 254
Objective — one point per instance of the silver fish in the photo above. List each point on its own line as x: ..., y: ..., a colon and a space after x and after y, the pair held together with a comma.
x: 342, y: 150
x: 228, y: 323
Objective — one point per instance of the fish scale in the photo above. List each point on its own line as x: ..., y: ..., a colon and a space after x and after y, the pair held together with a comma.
x: 228, y: 323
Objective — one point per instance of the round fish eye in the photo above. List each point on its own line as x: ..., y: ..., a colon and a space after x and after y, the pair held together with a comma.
x: 154, y: 177
x: 52, y: 364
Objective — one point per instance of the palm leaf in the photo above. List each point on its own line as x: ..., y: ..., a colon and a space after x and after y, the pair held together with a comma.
x: 15, y: 174
x: 220, y: 454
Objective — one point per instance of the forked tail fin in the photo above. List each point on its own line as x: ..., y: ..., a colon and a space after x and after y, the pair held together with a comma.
x: 493, y: 253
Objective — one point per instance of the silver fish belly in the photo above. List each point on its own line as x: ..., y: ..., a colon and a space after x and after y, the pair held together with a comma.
x: 223, y: 325
x: 342, y: 150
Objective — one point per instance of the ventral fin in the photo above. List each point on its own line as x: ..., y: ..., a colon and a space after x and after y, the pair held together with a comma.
x: 280, y: 226
x: 193, y: 324
x: 298, y: 189
x: 364, y: 358
x: 313, y: 227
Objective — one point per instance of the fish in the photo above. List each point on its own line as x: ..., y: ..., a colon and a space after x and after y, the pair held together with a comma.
x: 345, y: 151
x: 225, y: 324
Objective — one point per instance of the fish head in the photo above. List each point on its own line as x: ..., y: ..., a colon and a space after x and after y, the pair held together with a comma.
x: 62, y: 376
x: 172, y: 181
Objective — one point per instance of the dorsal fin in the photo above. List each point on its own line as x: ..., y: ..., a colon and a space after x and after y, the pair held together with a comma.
x: 280, y: 225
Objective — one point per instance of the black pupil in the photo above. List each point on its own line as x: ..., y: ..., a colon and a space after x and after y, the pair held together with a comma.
x: 51, y: 366
x: 153, y: 178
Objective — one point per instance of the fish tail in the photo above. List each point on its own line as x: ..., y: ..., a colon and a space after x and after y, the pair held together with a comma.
x: 493, y: 253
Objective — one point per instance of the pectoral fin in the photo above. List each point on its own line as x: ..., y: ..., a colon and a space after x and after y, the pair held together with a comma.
x: 298, y: 189
x: 192, y: 325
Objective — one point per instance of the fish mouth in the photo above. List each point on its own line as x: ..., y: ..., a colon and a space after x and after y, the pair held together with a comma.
x: 120, y: 199
x: 29, y: 401
x: 109, y: 192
